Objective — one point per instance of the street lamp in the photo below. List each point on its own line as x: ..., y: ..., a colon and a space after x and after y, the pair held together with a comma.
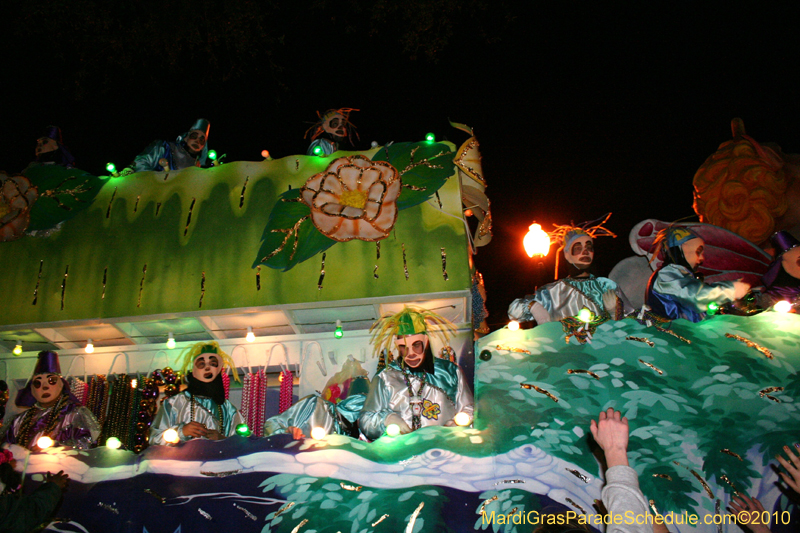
x: 536, y: 241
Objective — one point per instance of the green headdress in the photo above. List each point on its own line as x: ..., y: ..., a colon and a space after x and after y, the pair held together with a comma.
x: 409, y: 321
x: 186, y: 360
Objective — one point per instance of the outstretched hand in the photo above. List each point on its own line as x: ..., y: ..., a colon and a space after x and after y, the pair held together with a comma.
x: 61, y: 479
x: 610, y: 432
x: 748, y: 512
x: 792, y: 466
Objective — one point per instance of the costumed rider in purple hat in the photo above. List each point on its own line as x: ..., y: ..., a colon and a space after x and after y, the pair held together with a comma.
x: 416, y: 389
x: 580, y: 289
x: 50, y: 149
x: 330, y: 131
x: 53, y: 411
x: 188, y: 150
x: 201, y: 410
x: 782, y: 280
x: 675, y: 290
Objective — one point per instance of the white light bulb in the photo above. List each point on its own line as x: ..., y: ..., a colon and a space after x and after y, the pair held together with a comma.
x: 783, y: 306
x: 318, y: 433
x: 250, y: 337
x: 44, y: 442
x: 171, y: 436
x: 513, y: 325
x: 89, y: 346
x: 171, y: 341
x: 462, y: 419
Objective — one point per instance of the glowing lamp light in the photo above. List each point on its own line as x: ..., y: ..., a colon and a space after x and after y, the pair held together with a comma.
x: 111, y: 167
x: 171, y: 341
x: 462, y: 419
x: 250, y: 337
x: 393, y: 430
x: 318, y: 150
x: 338, y: 332
x: 212, y: 155
x: 243, y: 430
x: 430, y: 137
x: 171, y: 436
x: 17, y: 349
x: 584, y: 315
x: 513, y: 325
x: 89, y: 346
x: 712, y: 309
x: 113, y: 443
x: 134, y: 383
x: 536, y: 241
x: 318, y: 433
x: 781, y: 307
x: 265, y: 154
x: 44, y: 442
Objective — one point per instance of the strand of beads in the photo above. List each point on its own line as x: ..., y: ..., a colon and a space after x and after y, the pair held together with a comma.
x: 245, y: 398
x: 258, y: 428
x: 226, y: 384
x: 287, y: 387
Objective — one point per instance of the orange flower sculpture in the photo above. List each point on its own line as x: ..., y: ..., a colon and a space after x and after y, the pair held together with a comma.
x: 355, y: 198
x: 17, y: 195
x: 742, y: 187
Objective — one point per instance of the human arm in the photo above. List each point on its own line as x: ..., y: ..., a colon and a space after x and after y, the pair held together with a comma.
x: 678, y: 282
x: 29, y: 511
x: 374, y: 416
x: 622, y: 493
x: 531, y: 308
x: 149, y: 158
x: 169, y: 417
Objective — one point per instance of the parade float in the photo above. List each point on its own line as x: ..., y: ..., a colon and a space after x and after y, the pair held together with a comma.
x: 115, y: 271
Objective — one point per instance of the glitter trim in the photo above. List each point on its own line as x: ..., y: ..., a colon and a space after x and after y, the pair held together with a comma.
x: 751, y: 344
x: 641, y: 339
x: 579, y: 371
x: 660, y: 372
x: 539, y: 390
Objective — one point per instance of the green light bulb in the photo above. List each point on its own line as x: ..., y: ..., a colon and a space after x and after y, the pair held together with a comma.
x: 212, y: 155
x: 339, y: 333
x: 243, y: 430
x: 585, y: 315
x: 17, y: 349
x: 318, y: 150
x: 713, y: 307
x: 430, y: 137
x: 111, y: 167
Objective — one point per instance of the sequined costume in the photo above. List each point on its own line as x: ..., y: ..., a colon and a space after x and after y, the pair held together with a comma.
x: 674, y: 292
x: 177, y: 411
x: 327, y: 146
x: 73, y: 425
x: 566, y: 297
x: 314, y: 411
x: 444, y: 394
x: 174, y: 152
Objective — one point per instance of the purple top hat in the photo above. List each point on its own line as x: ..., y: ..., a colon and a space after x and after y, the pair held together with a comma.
x: 782, y: 241
x: 46, y: 364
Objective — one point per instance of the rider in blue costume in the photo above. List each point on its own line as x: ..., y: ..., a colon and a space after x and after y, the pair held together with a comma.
x: 675, y: 290
x: 200, y: 411
x: 417, y: 389
x: 580, y: 289
x: 188, y: 150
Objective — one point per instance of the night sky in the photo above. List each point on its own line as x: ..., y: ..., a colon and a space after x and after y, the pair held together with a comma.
x: 581, y: 108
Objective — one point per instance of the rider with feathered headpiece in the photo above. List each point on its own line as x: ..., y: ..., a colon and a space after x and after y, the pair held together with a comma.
x: 201, y: 410
x: 580, y: 289
x: 416, y: 389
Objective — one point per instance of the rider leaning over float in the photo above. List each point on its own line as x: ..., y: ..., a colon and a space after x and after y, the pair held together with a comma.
x: 675, y: 290
x: 190, y: 149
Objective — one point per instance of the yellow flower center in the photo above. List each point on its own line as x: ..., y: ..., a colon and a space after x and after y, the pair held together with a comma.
x: 357, y: 199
